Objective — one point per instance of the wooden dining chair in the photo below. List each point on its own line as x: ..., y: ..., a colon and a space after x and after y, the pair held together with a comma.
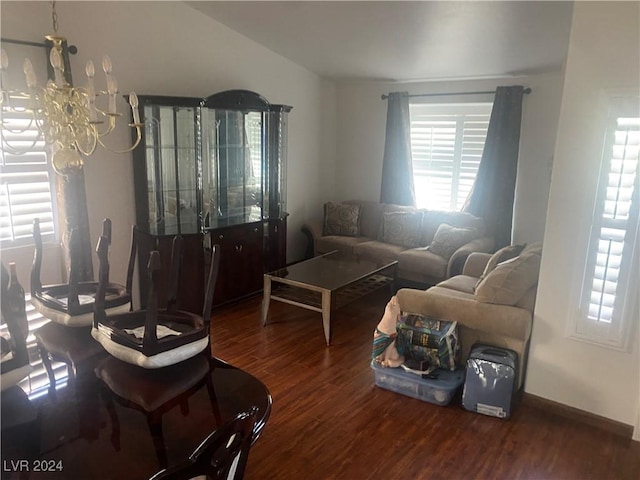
x: 154, y: 337
x: 221, y: 456
x: 71, y: 304
x: 154, y: 393
x: 14, y: 364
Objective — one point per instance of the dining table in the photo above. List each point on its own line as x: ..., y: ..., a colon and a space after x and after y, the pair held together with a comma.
x: 116, y: 420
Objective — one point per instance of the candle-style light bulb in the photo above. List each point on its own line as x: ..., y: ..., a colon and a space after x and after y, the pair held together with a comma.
x: 90, y: 69
x: 106, y: 64
x: 133, y: 101
x: 56, y: 59
x: 91, y: 91
x: 4, y: 60
x: 4, y: 64
x: 29, y: 74
x: 58, y: 68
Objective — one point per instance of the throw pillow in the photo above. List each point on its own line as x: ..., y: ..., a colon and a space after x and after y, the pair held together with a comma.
x: 401, y: 228
x: 502, y: 255
x: 341, y: 219
x: 448, y: 239
x: 510, y: 280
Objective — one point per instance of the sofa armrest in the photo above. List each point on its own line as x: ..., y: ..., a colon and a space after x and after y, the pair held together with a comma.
x: 312, y: 230
x: 475, y: 264
x: 459, y: 257
x: 445, y: 303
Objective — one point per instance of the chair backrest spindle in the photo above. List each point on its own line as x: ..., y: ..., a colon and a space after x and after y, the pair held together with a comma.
x: 150, y: 339
x: 36, y: 283
x: 176, y: 264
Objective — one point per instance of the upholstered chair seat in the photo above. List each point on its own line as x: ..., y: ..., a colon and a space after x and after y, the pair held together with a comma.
x: 153, y: 337
x: 71, y: 304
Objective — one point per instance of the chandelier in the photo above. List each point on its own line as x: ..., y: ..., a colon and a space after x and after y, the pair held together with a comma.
x: 66, y: 117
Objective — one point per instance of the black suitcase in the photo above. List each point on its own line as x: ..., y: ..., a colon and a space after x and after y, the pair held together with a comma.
x: 491, y: 380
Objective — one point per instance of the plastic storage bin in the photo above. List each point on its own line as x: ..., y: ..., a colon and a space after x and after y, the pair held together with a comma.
x: 439, y: 390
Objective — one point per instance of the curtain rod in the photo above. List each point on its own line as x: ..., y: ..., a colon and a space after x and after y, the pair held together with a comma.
x: 72, y: 48
x: 384, y: 97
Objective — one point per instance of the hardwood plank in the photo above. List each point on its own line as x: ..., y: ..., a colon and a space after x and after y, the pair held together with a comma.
x: 329, y: 420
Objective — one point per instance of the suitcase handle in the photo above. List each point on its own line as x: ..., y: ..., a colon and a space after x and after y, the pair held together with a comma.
x: 495, y: 351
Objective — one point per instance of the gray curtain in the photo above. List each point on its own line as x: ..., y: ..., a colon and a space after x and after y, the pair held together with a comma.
x: 397, y: 170
x: 493, y: 191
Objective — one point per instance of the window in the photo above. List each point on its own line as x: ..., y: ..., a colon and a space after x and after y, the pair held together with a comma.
x: 446, y: 146
x: 37, y: 383
x: 26, y: 182
x: 607, y: 291
x: 26, y: 192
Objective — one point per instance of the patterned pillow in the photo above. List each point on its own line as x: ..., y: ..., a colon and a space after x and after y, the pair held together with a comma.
x: 402, y: 228
x: 341, y: 219
x: 448, y: 239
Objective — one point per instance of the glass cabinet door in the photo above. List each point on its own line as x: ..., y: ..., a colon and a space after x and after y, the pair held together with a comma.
x: 171, y: 168
x: 232, y: 166
x: 243, y: 158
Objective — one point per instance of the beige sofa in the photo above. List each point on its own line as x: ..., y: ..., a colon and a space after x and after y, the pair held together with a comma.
x: 393, y: 232
x: 493, y: 306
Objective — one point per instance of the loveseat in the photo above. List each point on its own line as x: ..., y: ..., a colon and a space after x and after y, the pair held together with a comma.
x: 492, y: 300
x: 429, y: 245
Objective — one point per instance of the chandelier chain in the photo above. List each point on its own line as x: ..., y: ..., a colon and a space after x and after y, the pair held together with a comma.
x: 54, y: 16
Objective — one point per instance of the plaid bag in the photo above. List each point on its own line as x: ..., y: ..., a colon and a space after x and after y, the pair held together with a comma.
x: 428, y: 339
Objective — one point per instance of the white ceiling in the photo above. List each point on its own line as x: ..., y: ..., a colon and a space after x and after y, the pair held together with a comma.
x: 405, y: 41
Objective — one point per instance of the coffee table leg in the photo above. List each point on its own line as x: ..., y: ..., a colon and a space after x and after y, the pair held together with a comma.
x: 326, y: 315
x: 266, y: 299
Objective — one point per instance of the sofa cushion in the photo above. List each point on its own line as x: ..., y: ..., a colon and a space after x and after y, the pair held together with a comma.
x: 421, y: 260
x: 341, y: 219
x: 533, y: 248
x: 448, y: 239
x: 432, y: 219
x: 401, y: 228
x: 376, y: 250
x: 341, y: 243
x: 510, y: 280
x: 505, y: 253
x: 370, y: 217
x: 461, y: 283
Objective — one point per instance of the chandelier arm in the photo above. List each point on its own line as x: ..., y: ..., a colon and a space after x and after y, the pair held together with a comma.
x: 6, y: 145
x: 132, y: 147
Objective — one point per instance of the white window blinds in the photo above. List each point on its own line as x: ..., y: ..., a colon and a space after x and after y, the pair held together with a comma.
x: 37, y: 383
x: 447, y: 141
x: 26, y: 182
x: 606, y: 293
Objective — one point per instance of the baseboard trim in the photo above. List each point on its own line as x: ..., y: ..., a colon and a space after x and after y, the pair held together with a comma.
x: 603, y: 423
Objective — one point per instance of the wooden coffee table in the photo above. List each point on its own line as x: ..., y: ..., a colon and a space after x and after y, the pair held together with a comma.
x: 325, y: 283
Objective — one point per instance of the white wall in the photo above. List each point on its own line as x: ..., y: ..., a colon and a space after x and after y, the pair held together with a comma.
x: 361, y: 133
x: 604, y: 54
x: 168, y: 48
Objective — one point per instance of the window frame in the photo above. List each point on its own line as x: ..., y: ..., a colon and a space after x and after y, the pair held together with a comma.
x: 616, y: 334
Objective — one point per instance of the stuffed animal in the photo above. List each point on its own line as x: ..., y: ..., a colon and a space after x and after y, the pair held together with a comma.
x: 384, y: 351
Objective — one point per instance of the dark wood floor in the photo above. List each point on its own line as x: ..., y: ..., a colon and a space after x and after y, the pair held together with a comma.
x: 329, y: 420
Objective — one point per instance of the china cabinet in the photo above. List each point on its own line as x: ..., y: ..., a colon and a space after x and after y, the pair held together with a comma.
x: 213, y: 170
